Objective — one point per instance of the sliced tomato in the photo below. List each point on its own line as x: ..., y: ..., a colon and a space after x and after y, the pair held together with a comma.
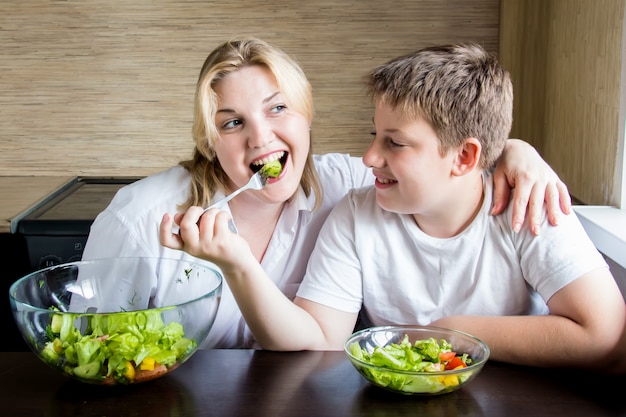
x: 446, y: 356
x: 455, y: 363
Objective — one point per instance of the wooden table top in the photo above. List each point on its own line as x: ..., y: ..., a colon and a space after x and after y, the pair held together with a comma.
x: 320, y: 384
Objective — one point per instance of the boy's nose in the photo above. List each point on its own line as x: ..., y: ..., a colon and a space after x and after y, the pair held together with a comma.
x: 371, y: 157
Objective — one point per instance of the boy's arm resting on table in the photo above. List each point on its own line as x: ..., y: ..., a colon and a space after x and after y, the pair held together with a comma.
x: 533, y: 181
x: 583, y: 329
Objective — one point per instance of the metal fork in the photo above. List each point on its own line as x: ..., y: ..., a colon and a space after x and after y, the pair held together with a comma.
x: 257, y: 182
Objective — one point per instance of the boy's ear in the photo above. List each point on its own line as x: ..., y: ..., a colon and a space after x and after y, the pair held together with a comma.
x: 468, y: 157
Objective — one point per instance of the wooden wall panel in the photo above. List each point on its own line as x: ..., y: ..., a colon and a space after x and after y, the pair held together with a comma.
x: 105, y: 87
x: 523, y: 51
x: 583, y: 95
x: 565, y: 57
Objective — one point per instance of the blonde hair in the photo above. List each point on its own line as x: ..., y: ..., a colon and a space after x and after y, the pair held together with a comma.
x: 460, y: 90
x: 207, y: 174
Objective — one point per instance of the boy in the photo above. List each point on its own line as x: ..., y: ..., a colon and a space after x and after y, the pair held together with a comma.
x: 419, y: 247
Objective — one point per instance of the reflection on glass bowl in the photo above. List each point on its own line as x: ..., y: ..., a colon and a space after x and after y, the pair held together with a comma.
x: 375, y: 402
x: 165, y: 397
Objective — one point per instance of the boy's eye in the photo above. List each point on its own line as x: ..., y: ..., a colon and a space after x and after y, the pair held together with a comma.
x: 392, y: 143
x: 389, y: 141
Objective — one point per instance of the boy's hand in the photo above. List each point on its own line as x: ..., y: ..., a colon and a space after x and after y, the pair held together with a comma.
x: 533, y: 181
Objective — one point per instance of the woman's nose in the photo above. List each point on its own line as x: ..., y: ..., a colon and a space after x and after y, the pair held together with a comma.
x: 260, y: 133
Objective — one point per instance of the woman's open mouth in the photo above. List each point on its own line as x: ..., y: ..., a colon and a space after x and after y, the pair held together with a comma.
x: 272, y: 163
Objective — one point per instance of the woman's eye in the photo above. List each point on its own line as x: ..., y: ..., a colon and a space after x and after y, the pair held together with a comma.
x: 278, y: 108
x: 231, y: 124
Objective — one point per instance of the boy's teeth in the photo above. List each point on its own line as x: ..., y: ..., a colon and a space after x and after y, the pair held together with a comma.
x: 269, y: 159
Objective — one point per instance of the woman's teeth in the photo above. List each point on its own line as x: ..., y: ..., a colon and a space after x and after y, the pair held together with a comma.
x: 273, y: 157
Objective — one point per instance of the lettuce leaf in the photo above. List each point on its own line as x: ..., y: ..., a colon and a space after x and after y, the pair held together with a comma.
x: 421, y: 356
x: 109, y: 342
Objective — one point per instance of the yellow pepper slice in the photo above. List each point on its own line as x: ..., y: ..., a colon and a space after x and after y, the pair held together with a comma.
x: 130, y: 371
x: 147, y: 364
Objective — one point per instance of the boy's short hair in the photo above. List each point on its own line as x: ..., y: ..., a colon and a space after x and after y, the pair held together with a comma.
x: 460, y: 89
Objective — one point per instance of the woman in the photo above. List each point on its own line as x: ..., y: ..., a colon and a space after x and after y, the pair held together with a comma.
x: 254, y: 105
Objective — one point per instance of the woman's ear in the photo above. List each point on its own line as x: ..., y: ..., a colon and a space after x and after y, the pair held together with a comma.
x: 468, y: 157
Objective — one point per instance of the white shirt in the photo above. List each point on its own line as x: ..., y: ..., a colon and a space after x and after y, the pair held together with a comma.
x: 129, y: 226
x: 383, y: 262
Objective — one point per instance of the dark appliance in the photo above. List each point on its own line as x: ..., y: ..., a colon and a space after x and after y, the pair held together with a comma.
x: 14, y: 261
x: 52, y: 233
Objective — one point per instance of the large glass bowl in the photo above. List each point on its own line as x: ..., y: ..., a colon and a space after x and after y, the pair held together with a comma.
x: 117, y: 321
x: 391, y: 377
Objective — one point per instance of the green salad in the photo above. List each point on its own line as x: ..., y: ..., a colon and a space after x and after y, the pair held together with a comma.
x: 272, y: 169
x: 429, y: 355
x: 119, y: 348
